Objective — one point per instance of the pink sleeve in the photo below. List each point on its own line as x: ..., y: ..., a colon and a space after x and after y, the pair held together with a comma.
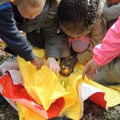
x: 110, y: 47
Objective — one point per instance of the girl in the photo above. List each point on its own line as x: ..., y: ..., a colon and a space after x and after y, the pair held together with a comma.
x: 82, y: 21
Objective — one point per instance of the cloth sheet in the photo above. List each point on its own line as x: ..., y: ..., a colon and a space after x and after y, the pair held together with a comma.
x: 41, y: 94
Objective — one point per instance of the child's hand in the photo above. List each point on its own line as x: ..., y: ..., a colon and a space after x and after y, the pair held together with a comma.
x: 53, y: 65
x: 37, y: 61
x: 90, y: 68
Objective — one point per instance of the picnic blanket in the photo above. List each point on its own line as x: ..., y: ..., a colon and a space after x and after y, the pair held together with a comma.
x: 41, y: 94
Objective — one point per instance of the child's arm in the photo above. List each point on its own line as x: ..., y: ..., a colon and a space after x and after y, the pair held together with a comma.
x: 12, y: 37
x: 53, y: 47
x: 110, y: 47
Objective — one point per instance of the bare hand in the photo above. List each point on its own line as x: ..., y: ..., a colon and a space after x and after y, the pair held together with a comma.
x: 90, y: 68
x: 53, y: 65
x: 37, y: 61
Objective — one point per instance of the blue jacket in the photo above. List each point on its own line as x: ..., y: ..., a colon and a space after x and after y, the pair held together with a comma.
x: 11, y: 35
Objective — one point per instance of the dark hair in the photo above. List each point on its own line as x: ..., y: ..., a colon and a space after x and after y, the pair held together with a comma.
x: 78, y: 10
x: 60, y: 118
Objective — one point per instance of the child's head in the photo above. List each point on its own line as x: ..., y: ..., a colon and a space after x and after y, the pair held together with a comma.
x: 29, y: 8
x: 74, y: 15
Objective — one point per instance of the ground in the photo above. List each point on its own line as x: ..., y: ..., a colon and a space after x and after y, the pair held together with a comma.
x: 91, y: 112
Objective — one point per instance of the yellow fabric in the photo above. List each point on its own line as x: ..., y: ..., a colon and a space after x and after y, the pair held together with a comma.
x: 27, y: 114
x: 45, y: 87
x: 112, y: 94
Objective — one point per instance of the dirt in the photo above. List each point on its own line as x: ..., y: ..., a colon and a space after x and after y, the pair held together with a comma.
x: 7, y: 112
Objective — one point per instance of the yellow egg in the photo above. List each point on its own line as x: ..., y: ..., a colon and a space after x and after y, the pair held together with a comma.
x: 63, y: 66
x: 66, y: 71
x: 63, y: 83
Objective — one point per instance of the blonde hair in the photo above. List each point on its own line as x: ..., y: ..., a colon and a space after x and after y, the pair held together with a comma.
x: 33, y: 3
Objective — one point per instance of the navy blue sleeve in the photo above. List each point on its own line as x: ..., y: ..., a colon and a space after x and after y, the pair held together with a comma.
x: 12, y: 37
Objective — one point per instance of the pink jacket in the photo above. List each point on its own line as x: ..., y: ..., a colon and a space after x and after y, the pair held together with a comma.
x: 110, y: 47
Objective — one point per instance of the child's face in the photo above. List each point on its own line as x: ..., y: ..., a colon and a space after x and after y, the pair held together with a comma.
x: 73, y: 29
x: 29, y: 12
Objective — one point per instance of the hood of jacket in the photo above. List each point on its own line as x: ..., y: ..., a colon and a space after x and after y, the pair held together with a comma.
x: 53, y: 10
x: 98, y: 12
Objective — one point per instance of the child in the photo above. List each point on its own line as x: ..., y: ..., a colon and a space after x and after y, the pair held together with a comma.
x: 106, y: 55
x: 111, y: 11
x: 9, y: 32
x: 82, y: 21
x: 43, y: 32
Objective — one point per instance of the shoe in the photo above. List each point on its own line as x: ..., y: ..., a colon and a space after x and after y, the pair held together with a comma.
x: 67, y: 65
x: 2, y: 100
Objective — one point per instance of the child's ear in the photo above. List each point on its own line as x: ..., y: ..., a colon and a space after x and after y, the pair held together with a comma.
x: 12, y: 1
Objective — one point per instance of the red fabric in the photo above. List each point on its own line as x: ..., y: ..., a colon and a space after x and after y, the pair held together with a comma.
x: 12, y: 91
x: 98, y: 98
x: 56, y: 108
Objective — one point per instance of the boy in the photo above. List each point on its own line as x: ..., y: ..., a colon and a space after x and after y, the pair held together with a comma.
x: 11, y: 35
x: 43, y: 32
